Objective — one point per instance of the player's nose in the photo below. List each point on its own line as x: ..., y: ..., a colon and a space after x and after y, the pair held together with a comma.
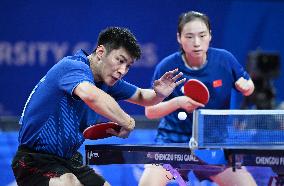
x: 196, y: 42
x: 123, y: 69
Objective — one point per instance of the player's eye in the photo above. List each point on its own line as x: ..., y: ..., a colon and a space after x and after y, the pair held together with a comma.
x: 119, y: 60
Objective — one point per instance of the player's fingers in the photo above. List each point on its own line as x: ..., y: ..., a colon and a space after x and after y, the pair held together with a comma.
x: 177, y: 76
x: 124, y: 133
x: 174, y: 71
x: 180, y: 81
x: 241, y: 81
x: 112, y: 131
x: 170, y: 74
x: 121, y: 133
x: 195, y: 103
x: 192, y: 107
x: 242, y: 84
x: 167, y: 75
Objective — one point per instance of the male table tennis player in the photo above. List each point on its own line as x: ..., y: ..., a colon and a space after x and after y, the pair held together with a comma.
x: 54, y: 115
x: 219, y: 70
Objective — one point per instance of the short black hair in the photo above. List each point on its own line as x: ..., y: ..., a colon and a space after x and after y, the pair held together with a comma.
x: 116, y: 37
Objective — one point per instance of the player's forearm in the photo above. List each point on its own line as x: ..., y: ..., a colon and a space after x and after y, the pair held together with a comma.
x: 106, y: 106
x: 161, y: 109
x: 103, y: 104
x: 146, y: 97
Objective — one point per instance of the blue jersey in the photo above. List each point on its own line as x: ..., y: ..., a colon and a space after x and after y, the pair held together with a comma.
x: 53, y: 117
x: 219, y: 74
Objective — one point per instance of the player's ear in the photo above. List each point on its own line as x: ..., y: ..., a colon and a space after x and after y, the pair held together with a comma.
x: 100, y: 51
x: 178, y: 38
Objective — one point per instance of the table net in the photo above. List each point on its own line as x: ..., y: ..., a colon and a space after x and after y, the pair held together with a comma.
x: 239, y: 128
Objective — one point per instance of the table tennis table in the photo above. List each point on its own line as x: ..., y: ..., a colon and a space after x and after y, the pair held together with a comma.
x: 254, y: 144
x: 177, y: 157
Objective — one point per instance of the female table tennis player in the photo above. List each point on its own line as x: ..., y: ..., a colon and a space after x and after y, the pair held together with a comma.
x: 219, y: 70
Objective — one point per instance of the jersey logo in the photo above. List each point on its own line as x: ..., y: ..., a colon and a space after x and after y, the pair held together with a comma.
x: 217, y: 83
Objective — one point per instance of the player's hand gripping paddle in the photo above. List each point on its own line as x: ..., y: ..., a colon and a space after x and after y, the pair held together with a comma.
x: 98, y: 131
x: 197, y: 91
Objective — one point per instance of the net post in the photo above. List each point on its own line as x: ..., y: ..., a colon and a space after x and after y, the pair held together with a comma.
x: 194, y: 138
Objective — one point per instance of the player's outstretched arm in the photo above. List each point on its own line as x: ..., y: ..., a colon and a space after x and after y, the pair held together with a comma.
x: 103, y: 104
x: 166, y: 107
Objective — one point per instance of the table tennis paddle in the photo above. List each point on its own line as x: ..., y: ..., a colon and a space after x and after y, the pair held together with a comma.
x: 98, y: 131
x: 197, y: 91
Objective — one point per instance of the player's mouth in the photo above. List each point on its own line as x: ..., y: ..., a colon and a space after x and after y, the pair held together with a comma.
x: 197, y: 51
x: 114, y: 79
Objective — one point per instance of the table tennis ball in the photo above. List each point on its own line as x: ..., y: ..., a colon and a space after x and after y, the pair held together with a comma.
x: 182, y: 116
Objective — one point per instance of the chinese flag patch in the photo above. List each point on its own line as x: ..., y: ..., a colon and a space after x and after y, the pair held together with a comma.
x: 217, y: 83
